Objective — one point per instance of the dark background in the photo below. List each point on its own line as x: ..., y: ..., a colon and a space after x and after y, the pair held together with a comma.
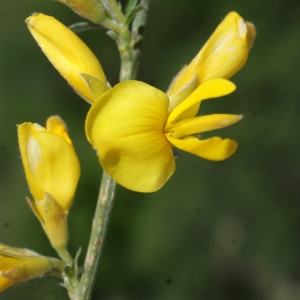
x: 215, y: 231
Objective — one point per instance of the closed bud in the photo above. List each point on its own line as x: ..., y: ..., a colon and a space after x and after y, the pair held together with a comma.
x: 68, y: 54
x: 52, y: 171
x: 18, y: 265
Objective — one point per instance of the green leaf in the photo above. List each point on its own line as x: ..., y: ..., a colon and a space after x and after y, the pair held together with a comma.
x: 83, y: 26
x: 132, y: 13
x: 130, y: 5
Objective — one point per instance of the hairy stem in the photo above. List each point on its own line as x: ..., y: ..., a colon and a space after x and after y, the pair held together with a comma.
x: 99, y: 228
x: 131, y: 43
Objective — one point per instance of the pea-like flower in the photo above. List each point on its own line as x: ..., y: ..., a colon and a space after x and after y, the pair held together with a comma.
x: 134, y: 126
x: 133, y: 133
x: 52, y: 171
x: 222, y: 56
x: 72, y: 58
x: 18, y: 265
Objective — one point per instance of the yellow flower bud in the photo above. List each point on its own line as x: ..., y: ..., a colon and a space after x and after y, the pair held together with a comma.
x: 4, y: 282
x: 88, y: 9
x: 18, y: 265
x: 68, y: 54
x: 52, y: 171
x: 222, y: 56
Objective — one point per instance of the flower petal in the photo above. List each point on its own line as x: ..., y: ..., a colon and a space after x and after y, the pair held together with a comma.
x: 8, y: 261
x: 222, y: 56
x: 56, y: 125
x: 213, y: 148
x: 5, y: 264
x: 251, y: 34
x: 67, y: 52
x: 183, y: 93
x: 210, y: 89
x: 5, y: 283
x: 202, y: 124
x: 125, y: 127
x: 50, y: 164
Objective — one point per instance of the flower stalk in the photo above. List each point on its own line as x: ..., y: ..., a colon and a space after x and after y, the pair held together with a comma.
x: 98, y: 233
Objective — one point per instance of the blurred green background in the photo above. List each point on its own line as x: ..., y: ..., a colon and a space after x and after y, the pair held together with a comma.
x: 215, y: 231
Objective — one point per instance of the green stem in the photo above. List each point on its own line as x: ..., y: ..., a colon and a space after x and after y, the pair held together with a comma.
x: 131, y: 43
x: 137, y: 33
x: 57, y: 267
x: 130, y: 55
x: 99, y: 228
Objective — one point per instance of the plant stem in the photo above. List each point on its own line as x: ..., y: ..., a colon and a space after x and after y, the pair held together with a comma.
x: 130, y: 50
x: 131, y: 43
x: 137, y: 33
x: 99, y: 228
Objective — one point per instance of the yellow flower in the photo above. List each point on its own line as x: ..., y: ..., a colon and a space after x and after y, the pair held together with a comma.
x: 18, y: 265
x: 133, y: 133
x: 52, y: 171
x: 69, y: 55
x: 222, y: 56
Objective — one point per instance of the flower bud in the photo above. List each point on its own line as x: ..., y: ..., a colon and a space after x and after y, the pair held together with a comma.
x: 18, y: 265
x: 68, y: 54
x: 52, y: 171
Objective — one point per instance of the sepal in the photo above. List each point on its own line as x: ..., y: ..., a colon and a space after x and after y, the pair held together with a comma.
x: 92, y: 10
x: 35, y: 210
x: 55, y: 224
x: 96, y: 86
x: 18, y: 265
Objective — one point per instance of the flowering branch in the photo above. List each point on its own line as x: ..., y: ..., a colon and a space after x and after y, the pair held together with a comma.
x: 141, y: 113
